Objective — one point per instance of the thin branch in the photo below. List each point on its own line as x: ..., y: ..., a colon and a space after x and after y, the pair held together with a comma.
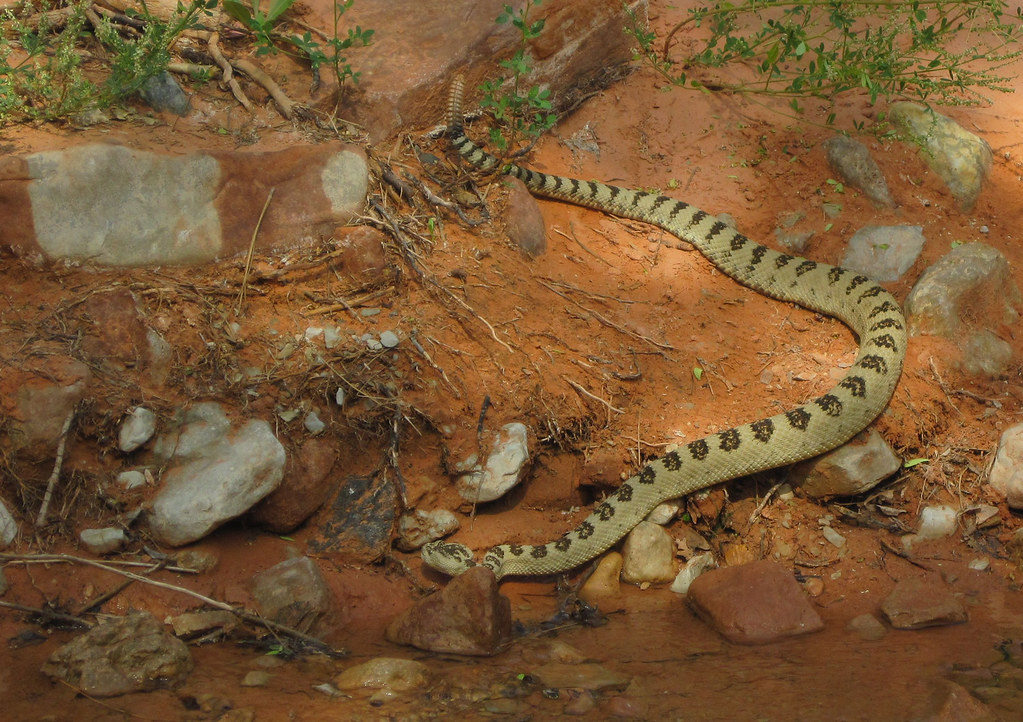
x: 58, y: 462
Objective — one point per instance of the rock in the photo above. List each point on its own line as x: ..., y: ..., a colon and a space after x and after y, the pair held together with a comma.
x: 4, y: 584
x: 131, y: 479
x: 918, y: 602
x: 295, y: 594
x: 118, y: 656
x: 648, y: 555
x: 418, y: 527
x: 359, y: 520
x: 664, y: 513
x: 966, y: 296
x: 524, y: 222
x: 836, y: 539
x: 117, y: 337
x: 1006, y: 476
x: 755, y: 603
x: 469, y: 616
x: 857, y: 466
x: 397, y: 675
x: 137, y: 428
x: 605, y: 581
x: 213, y: 475
x: 694, y: 567
x: 959, y: 157
x: 867, y: 627
x: 961, y: 706
x: 305, y: 487
x: 362, y: 256
x: 851, y: 160
x: 884, y: 253
x: 585, y: 675
x: 201, y: 623
x: 313, y: 423
x: 256, y: 678
x: 8, y: 526
x: 936, y: 522
x: 37, y: 401
x: 582, y: 44
x: 505, y: 466
x: 389, y: 339
x: 119, y: 206
x: 163, y: 94
x: 103, y: 541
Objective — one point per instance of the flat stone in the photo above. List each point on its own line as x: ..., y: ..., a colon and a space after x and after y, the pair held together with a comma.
x: 754, y: 603
x: 396, y: 675
x: 585, y: 675
x: 918, y: 602
x: 359, y: 519
x: 119, y: 206
x: 469, y: 616
x: 103, y: 541
x: 854, y: 164
x: 884, y: 253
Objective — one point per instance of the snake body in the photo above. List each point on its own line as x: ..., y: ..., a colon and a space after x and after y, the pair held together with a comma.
x: 800, y: 433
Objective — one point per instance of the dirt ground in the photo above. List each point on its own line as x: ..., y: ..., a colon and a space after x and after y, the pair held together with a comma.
x: 613, y: 307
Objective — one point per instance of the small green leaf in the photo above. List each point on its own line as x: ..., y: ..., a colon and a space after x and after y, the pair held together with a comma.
x: 910, y: 463
x: 697, y: 372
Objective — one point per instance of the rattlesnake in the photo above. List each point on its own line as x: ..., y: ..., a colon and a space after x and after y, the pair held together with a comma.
x: 805, y: 431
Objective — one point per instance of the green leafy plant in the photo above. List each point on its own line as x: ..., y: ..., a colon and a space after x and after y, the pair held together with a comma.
x: 518, y: 113
x: 820, y: 48
x: 263, y: 25
x: 43, y: 78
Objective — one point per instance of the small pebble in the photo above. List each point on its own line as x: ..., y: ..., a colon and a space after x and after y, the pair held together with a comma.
x: 256, y: 678
x: 388, y: 339
x: 313, y: 424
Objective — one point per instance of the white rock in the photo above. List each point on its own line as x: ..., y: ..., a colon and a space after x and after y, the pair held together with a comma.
x: 980, y: 564
x: 833, y: 536
x: 138, y: 428
x: 1006, y: 475
x: 131, y: 479
x: 936, y: 522
x: 648, y: 555
x: 694, y: 567
x: 103, y: 541
x: 662, y: 514
x: 331, y: 336
x: 8, y: 526
x: 313, y: 423
x: 216, y: 481
x: 505, y: 467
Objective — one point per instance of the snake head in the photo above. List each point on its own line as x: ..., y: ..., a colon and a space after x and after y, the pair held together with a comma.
x: 448, y: 557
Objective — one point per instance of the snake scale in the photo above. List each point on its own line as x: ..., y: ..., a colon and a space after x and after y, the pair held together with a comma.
x: 800, y: 433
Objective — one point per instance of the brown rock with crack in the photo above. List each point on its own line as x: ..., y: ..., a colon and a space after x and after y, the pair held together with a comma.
x: 754, y: 603
x: 469, y: 616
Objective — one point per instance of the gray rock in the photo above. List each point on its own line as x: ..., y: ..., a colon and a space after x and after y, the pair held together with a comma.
x: 851, y: 160
x: 965, y: 297
x: 136, y: 429
x: 295, y: 594
x: 696, y: 566
x: 119, y: 206
x: 918, y: 602
x: 961, y: 158
x: 648, y: 555
x: 313, y: 423
x: 505, y: 467
x: 163, y: 94
x: 858, y: 465
x: 128, y: 654
x: 103, y: 541
x: 8, y: 526
x: 1006, y: 475
x: 884, y: 253
x: 213, y: 476
x: 389, y: 339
